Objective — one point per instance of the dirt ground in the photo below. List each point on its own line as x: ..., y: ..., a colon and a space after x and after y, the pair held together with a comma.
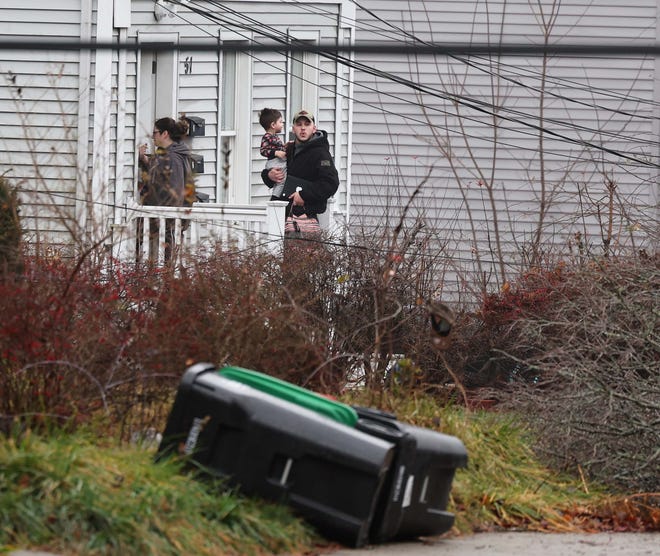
x: 518, y: 544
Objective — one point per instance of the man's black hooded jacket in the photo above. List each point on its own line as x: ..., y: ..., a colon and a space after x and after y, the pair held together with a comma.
x: 311, y: 161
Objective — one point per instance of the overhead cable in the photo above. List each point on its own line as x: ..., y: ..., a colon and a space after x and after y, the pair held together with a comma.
x: 389, y: 47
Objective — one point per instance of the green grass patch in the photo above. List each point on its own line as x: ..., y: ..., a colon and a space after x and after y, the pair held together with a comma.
x: 71, y: 495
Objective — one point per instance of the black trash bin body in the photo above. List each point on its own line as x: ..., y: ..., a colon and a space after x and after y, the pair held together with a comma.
x: 330, y: 473
x: 416, y: 495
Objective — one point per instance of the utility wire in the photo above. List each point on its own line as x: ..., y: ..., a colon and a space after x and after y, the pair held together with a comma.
x: 145, y: 212
x: 474, y: 104
x: 402, y: 33
x: 286, y: 45
x: 407, y: 35
x: 396, y: 33
x: 394, y: 48
x: 284, y: 38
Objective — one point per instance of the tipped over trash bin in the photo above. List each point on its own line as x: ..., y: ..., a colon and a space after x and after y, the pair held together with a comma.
x: 358, y: 475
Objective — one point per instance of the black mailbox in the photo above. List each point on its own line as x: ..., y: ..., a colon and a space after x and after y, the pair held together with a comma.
x: 196, y: 126
x: 197, y: 163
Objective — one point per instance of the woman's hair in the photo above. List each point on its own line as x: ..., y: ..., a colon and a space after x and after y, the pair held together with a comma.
x: 267, y: 116
x: 176, y: 128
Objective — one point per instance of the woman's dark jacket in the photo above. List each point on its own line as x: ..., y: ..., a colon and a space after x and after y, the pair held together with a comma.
x: 164, y: 179
x: 311, y: 161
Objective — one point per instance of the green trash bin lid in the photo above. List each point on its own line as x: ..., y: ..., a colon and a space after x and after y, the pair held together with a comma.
x: 285, y: 390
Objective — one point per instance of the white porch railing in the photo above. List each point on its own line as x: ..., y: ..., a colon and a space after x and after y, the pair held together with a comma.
x: 142, y: 234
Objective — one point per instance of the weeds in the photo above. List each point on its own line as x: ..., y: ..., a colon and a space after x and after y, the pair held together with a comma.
x: 75, y: 496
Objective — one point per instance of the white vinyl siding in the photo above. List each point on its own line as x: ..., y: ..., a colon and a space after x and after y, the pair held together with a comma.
x: 475, y: 123
x: 39, y: 110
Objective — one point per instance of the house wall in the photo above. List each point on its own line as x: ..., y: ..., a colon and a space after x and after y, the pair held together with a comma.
x: 39, y: 106
x: 467, y: 128
x: 69, y: 143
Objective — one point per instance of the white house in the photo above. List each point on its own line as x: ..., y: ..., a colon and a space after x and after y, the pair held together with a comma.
x: 73, y: 119
x: 501, y: 154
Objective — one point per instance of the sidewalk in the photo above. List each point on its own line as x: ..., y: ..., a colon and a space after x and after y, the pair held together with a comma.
x: 522, y: 544
x: 503, y: 544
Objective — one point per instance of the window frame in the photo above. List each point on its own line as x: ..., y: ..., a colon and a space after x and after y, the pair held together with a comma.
x: 309, y: 78
x: 232, y: 183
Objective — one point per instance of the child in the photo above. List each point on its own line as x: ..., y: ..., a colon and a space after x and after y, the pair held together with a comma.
x: 272, y: 146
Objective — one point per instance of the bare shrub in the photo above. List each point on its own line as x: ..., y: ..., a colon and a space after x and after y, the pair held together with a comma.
x: 61, y: 326
x: 594, y: 353
x: 82, y: 338
x: 235, y: 308
x: 77, y: 339
x: 381, y: 326
x: 487, y: 334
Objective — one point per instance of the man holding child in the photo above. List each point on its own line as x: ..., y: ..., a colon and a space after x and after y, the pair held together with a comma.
x: 311, y: 175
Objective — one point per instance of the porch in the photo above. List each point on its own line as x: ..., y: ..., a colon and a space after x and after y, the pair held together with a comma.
x: 200, y: 228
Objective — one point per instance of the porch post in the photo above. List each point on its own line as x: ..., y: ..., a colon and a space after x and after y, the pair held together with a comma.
x: 98, y: 214
x: 327, y: 219
x: 275, y: 215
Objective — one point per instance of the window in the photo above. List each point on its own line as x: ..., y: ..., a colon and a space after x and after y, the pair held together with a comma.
x: 234, y: 128
x: 297, y: 83
x: 227, y: 126
x: 304, y: 75
x: 228, y: 102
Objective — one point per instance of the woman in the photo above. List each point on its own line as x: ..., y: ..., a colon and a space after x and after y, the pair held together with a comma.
x: 167, y: 171
x: 166, y: 178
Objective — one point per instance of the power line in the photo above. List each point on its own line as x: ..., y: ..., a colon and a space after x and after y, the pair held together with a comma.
x: 284, y: 43
x: 261, y: 238
x: 515, y: 116
x: 574, y: 85
x: 390, y: 47
x: 400, y: 33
